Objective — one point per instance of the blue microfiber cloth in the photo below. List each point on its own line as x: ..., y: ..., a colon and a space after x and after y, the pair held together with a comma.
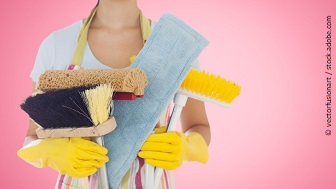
x: 166, y: 57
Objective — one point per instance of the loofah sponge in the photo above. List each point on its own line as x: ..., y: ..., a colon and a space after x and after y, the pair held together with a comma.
x: 132, y: 80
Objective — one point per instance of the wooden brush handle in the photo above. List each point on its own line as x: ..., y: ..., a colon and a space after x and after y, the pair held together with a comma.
x: 93, y: 131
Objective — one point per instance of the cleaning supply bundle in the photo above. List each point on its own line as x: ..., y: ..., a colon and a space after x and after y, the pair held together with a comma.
x: 82, y: 111
x: 166, y: 58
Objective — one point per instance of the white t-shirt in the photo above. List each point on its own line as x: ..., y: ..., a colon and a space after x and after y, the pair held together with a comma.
x: 56, y: 52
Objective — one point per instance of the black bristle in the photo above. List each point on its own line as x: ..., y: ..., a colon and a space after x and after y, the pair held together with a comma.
x: 58, y: 109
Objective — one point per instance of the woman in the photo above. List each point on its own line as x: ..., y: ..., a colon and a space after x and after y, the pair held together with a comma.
x: 114, y: 36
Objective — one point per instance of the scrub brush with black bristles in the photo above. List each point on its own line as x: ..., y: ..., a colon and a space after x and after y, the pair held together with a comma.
x: 201, y: 86
x: 58, y: 109
x: 75, y: 112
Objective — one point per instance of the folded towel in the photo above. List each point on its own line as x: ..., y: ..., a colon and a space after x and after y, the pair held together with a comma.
x: 166, y: 57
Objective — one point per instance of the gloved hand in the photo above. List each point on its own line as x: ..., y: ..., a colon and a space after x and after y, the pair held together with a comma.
x: 76, y: 157
x: 169, y: 150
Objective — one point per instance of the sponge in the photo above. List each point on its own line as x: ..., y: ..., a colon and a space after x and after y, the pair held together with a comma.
x: 132, y: 80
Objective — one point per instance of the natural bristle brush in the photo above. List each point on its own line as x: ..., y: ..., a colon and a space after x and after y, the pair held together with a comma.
x: 200, y: 86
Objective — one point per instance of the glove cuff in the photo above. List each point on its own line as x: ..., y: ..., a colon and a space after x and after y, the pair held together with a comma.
x: 196, y: 149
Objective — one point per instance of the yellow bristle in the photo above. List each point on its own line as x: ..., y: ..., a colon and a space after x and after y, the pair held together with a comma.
x: 211, y: 86
x: 98, y: 101
x: 205, y: 82
x: 217, y: 88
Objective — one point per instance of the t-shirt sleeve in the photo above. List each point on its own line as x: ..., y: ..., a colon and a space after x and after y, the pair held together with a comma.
x: 44, y: 59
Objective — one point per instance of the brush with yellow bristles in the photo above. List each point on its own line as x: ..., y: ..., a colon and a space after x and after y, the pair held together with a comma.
x: 207, y: 87
x: 201, y: 86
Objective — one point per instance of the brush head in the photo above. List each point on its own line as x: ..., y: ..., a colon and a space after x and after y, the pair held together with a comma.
x: 214, y: 88
x: 98, y: 100
x: 59, y: 109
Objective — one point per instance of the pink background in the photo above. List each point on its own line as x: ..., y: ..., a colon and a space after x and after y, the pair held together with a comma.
x: 273, y: 136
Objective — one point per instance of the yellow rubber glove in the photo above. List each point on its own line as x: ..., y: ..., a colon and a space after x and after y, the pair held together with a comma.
x: 76, y: 157
x: 170, y: 150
